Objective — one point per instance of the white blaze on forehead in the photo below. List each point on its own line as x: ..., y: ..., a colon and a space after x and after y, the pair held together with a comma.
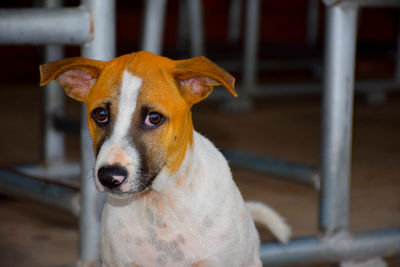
x: 127, y: 103
x: 117, y: 149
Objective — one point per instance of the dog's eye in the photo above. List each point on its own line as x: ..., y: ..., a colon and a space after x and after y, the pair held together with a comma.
x: 100, y: 115
x: 153, y: 119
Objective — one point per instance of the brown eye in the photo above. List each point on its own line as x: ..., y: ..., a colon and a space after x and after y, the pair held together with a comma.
x: 100, y: 115
x: 153, y: 119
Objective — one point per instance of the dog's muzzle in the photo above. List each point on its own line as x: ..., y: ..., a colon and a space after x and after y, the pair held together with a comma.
x: 112, y: 176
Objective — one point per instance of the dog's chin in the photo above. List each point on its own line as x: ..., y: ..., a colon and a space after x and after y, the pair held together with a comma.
x: 118, y: 194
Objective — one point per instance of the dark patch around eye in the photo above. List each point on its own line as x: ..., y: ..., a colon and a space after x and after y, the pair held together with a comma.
x: 99, y: 144
x: 106, y: 130
x: 150, y: 167
x: 144, y: 113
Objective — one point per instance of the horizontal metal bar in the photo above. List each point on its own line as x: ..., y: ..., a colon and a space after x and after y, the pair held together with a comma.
x: 292, y: 171
x: 272, y: 64
x: 338, y: 248
x: 45, y: 26
x: 308, y: 88
x: 59, y: 172
x: 363, y: 3
x: 16, y: 185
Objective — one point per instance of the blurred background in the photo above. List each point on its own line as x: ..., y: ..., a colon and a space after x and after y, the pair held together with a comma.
x: 283, y: 124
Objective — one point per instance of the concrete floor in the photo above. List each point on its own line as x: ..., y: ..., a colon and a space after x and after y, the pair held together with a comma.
x: 36, y: 235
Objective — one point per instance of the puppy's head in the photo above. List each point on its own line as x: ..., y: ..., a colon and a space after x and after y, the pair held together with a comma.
x: 138, y: 112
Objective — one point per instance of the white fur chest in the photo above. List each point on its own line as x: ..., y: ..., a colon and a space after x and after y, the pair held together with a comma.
x: 152, y: 239
x: 202, y: 221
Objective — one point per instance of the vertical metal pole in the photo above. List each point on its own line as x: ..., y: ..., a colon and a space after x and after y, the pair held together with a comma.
x: 235, y: 9
x: 244, y: 103
x: 101, y: 47
x: 183, y: 26
x: 312, y: 22
x: 54, y: 98
x: 195, y: 12
x: 397, y: 74
x: 251, y: 44
x: 153, y: 26
x: 337, y: 118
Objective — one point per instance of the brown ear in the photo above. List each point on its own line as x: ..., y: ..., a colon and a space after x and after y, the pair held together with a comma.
x: 76, y: 75
x: 198, y: 76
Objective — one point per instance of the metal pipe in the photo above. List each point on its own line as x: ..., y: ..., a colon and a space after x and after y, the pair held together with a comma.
x: 91, y: 200
x: 251, y: 44
x: 335, y: 249
x: 183, y: 26
x: 17, y: 185
x: 153, y: 26
x: 337, y: 118
x: 363, y: 3
x: 44, y: 26
x: 54, y: 98
x: 397, y: 70
x: 60, y: 172
x: 289, y: 170
x: 295, y: 89
x: 271, y: 64
x: 100, y: 47
x: 312, y: 22
x: 249, y: 69
x: 235, y: 9
x: 102, y: 44
x: 195, y: 11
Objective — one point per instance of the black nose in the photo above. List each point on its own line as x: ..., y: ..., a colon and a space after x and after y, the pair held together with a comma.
x: 112, y: 176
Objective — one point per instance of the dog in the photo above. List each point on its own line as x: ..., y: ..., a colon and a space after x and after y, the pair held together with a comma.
x: 171, y: 199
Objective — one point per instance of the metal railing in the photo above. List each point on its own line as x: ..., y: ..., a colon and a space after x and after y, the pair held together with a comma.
x: 336, y: 242
x: 91, y: 25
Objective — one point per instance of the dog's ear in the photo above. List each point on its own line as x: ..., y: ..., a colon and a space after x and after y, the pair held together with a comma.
x: 76, y: 75
x: 197, y: 77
